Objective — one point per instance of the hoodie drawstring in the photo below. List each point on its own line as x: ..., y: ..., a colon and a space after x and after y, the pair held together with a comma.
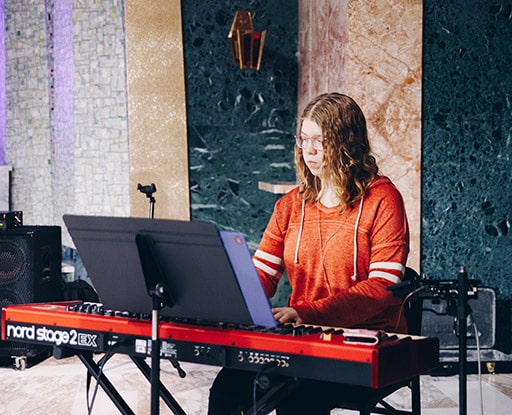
x: 356, y: 226
x: 296, y: 259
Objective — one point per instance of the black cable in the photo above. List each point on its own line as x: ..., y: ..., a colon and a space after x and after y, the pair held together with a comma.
x: 254, y: 401
x: 404, y: 302
x: 263, y: 383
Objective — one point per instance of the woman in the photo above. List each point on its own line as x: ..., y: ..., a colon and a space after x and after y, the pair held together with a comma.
x: 342, y: 238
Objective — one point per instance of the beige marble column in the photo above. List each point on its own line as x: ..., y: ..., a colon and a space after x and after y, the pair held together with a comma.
x: 156, y: 107
x: 371, y: 50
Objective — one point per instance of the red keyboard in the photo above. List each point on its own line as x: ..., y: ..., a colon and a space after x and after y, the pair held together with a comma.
x: 303, y: 351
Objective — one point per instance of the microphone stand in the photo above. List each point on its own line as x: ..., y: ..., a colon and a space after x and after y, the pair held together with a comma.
x: 429, y: 289
x: 462, y: 313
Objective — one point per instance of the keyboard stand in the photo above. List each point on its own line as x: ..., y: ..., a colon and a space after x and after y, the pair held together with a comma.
x: 93, y: 369
x: 163, y: 392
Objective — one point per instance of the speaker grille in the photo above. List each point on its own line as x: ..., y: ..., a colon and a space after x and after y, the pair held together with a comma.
x: 10, y: 297
x: 13, y: 260
x: 30, y: 271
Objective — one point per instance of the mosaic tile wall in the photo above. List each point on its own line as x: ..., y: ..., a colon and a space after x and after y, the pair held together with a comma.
x: 2, y: 91
x: 28, y: 147
x: 66, y: 135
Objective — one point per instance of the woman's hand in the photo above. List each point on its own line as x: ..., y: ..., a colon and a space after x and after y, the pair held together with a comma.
x: 286, y: 315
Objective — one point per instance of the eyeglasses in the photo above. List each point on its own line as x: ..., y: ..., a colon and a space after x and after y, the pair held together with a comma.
x: 316, y: 141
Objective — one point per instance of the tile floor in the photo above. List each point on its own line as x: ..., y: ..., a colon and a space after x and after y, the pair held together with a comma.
x: 58, y: 387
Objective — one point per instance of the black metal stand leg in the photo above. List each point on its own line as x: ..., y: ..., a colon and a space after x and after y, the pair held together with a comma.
x: 415, y: 396
x: 155, y: 354
x: 155, y: 376
x: 109, y: 389
x: 173, y: 405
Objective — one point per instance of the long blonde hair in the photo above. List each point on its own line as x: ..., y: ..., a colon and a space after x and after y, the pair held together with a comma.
x: 348, y: 164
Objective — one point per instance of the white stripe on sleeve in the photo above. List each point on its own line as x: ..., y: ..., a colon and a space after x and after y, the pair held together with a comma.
x: 265, y: 268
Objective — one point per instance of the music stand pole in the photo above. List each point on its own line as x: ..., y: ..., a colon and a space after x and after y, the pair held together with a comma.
x: 155, y: 350
x: 156, y: 294
x: 156, y: 289
x: 154, y: 280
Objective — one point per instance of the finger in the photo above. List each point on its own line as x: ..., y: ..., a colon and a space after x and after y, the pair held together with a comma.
x: 279, y: 314
x: 287, y: 317
x: 278, y: 311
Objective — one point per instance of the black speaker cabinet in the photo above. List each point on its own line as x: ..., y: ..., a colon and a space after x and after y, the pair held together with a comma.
x: 30, y: 272
x: 437, y: 323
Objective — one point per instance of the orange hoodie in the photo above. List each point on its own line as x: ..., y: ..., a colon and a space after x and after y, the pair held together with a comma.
x: 339, y: 279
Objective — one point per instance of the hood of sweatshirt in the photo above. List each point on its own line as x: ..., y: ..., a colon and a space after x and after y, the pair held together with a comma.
x: 376, y: 182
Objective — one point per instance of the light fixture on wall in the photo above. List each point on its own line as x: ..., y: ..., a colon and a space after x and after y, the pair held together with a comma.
x: 246, y: 44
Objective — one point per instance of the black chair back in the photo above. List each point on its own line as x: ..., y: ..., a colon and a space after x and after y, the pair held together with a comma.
x: 413, y: 306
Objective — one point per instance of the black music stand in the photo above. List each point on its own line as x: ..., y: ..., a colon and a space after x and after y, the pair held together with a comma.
x: 160, y: 296
x: 128, y: 257
x: 154, y: 280
x: 155, y: 284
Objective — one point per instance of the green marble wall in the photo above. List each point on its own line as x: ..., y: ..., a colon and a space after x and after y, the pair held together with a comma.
x: 467, y: 128
x: 467, y: 144
x: 241, y: 123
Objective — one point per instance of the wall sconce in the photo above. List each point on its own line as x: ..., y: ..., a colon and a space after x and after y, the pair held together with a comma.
x: 246, y: 44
